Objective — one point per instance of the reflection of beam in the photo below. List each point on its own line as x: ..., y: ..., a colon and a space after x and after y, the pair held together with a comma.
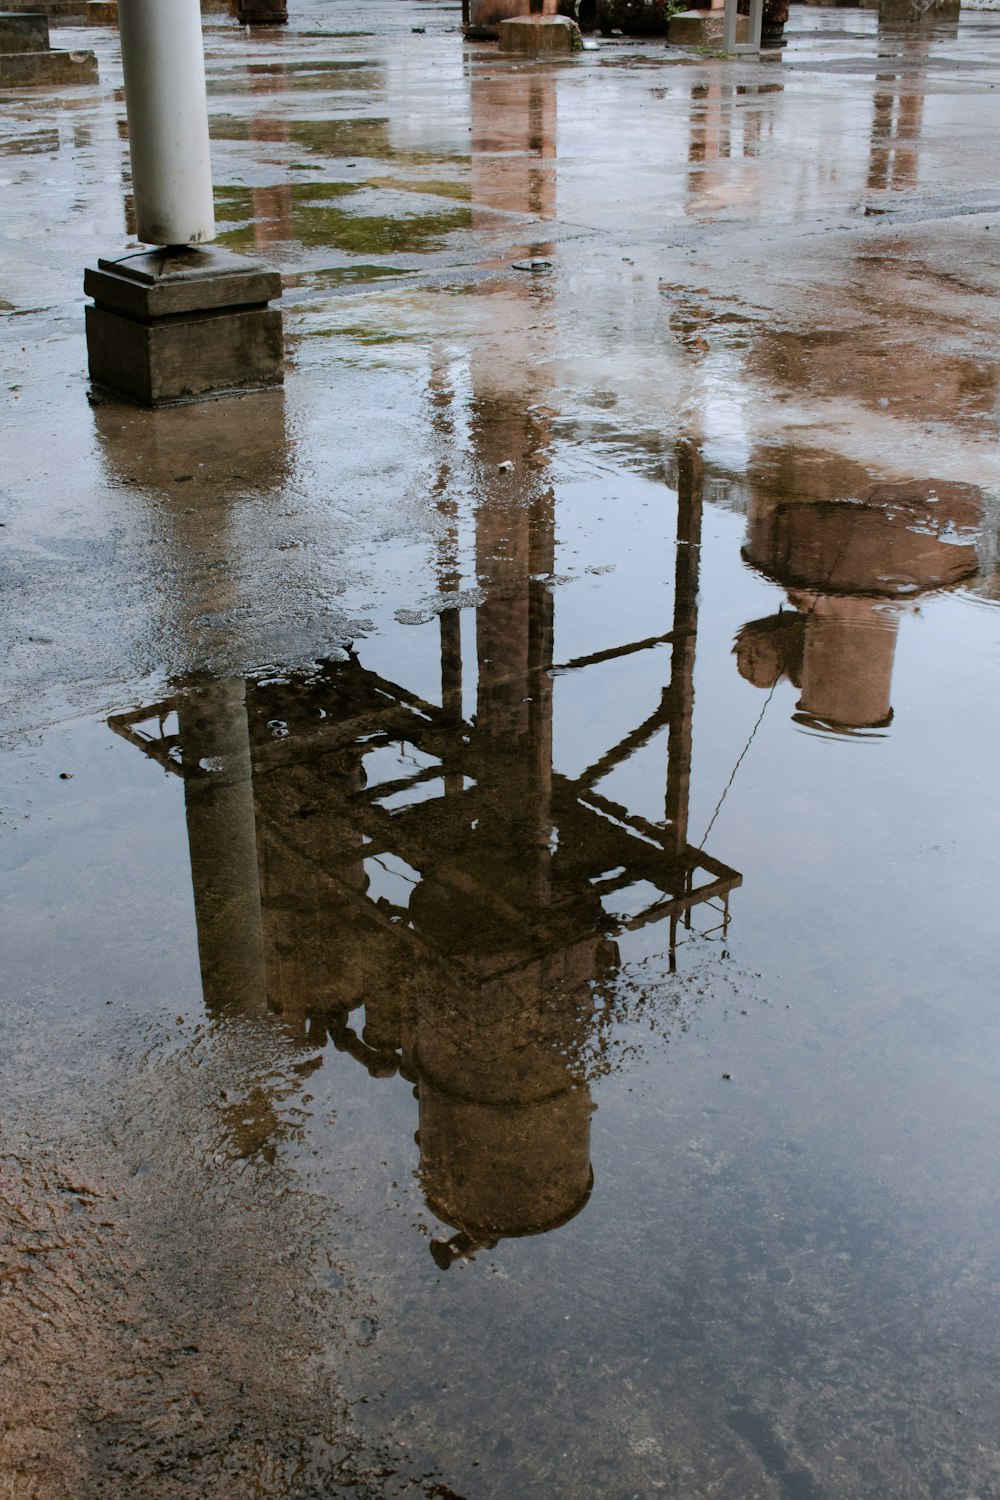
x: 676, y: 906
x: 156, y: 749
x: 628, y: 746
x: 613, y: 653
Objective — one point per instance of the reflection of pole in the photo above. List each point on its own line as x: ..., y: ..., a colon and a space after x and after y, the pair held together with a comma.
x: 689, y: 505
x: 218, y: 803
x: 451, y: 663
x: 164, y: 67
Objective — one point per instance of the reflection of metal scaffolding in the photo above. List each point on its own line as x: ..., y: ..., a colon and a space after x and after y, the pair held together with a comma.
x: 591, y: 850
x: 353, y: 844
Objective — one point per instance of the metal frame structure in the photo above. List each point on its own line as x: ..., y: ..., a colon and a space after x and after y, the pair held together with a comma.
x: 729, y: 20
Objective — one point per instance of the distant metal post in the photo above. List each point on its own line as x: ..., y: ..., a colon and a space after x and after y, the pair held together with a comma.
x: 164, y: 65
x: 729, y: 42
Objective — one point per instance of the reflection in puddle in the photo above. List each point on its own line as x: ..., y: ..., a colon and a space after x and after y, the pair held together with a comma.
x: 429, y: 893
x: 850, y: 568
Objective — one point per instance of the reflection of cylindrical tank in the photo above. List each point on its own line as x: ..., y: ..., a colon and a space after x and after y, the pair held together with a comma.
x: 849, y: 565
x: 504, y: 1114
x: 505, y: 1169
x: 850, y: 646
x: 164, y: 66
x: 901, y: 540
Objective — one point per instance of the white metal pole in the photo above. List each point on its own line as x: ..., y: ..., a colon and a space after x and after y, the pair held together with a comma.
x: 164, y: 63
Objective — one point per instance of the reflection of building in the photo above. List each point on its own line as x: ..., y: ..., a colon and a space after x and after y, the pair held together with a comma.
x: 850, y: 568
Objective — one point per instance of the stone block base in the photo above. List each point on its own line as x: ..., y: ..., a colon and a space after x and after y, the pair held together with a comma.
x: 102, y: 12
x: 260, y: 12
x: 184, y: 326
x: 24, y: 33
x: 63, y: 8
x: 633, y: 17
x: 540, y: 36
x: 29, y: 69
x: 492, y: 12
x: 908, y: 12
x: 703, y: 28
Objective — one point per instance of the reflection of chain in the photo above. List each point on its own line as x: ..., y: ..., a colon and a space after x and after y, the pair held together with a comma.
x: 746, y: 747
x: 838, y: 559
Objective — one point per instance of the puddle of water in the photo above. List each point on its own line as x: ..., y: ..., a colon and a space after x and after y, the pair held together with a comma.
x: 647, y: 1039
x: 300, y: 213
x: 437, y: 187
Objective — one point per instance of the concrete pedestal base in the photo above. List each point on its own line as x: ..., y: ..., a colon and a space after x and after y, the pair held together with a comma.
x: 184, y: 325
x: 633, y: 17
x: 540, y: 36
x: 907, y: 12
x: 703, y: 28
x: 102, y: 12
x: 25, y: 58
x: 61, y: 8
x: 26, y: 32
x: 28, y: 69
x: 261, y: 12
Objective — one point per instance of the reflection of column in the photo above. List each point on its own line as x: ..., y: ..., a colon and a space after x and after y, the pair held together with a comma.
x: 897, y: 119
x: 310, y: 863
x: 449, y: 572
x: 718, y: 131
x: 273, y: 216
x: 218, y: 804
x: 513, y: 146
x: 711, y: 109
x: 504, y: 1111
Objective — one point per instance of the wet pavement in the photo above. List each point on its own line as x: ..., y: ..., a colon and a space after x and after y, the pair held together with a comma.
x: 498, y: 840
